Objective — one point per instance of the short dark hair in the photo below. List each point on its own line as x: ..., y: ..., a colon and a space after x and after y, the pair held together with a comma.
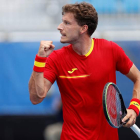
x: 84, y: 13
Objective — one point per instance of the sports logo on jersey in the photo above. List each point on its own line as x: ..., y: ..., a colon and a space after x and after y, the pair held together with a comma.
x: 74, y: 69
x: 73, y: 77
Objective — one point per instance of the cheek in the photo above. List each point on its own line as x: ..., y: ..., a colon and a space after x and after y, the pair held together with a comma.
x: 74, y: 33
x: 77, y: 31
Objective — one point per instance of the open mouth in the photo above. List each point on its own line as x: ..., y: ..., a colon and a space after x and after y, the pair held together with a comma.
x: 63, y: 35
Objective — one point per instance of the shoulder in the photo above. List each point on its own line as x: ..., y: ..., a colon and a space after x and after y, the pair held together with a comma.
x: 106, y: 44
x: 102, y: 42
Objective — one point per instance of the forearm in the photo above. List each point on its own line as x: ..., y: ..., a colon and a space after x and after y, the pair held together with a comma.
x: 36, y: 87
x: 136, y: 89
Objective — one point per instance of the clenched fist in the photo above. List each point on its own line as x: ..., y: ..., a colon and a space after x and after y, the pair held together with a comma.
x: 45, y: 49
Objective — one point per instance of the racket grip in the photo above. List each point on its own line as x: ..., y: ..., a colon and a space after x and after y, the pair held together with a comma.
x: 136, y: 129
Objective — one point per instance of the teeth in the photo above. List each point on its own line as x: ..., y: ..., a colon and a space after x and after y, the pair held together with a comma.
x: 63, y: 34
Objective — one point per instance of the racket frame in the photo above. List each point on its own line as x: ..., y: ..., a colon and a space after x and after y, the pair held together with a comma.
x: 123, y: 108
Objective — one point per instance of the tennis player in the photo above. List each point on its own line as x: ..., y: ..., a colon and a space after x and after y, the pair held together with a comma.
x: 81, y: 70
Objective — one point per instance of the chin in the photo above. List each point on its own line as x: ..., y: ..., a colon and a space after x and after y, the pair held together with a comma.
x: 63, y: 41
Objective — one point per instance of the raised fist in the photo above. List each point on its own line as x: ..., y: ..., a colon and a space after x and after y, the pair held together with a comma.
x: 45, y: 49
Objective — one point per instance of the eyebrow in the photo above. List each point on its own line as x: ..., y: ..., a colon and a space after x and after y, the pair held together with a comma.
x: 66, y: 20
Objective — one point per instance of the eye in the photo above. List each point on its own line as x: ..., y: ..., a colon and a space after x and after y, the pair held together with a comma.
x: 66, y: 22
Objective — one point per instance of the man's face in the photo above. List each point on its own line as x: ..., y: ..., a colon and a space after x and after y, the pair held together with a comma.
x: 69, y: 29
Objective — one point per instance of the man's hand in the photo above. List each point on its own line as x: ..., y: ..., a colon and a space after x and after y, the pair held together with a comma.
x: 45, y: 49
x: 131, y: 117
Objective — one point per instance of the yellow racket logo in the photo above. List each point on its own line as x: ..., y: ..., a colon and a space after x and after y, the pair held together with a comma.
x: 74, y: 69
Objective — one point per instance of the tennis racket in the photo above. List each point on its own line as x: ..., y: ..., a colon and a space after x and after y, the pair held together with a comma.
x: 114, y: 107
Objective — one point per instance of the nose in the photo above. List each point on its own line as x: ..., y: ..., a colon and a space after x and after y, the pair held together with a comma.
x: 60, y: 26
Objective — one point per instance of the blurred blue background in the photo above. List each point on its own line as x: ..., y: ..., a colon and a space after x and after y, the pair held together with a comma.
x: 23, y: 24
x: 17, y: 65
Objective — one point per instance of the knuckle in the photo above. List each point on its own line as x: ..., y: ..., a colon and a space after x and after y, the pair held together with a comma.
x: 128, y: 124
x: 41, y: 42
x: 45, y: 43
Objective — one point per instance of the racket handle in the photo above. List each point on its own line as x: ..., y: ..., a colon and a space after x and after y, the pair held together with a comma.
x: 136, y: 129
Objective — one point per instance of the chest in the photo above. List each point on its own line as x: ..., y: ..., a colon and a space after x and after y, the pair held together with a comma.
x: 88, y: 70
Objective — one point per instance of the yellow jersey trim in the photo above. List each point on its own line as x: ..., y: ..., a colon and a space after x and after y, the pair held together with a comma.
x: 135, y: 104
x: 69, y: 77
x: 39, y: 64
x: 91, y: 48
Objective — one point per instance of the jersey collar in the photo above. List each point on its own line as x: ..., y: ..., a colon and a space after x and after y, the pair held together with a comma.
x: 91, y: 49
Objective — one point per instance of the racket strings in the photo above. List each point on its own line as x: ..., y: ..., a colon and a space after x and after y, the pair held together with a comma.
x: 113, y: 106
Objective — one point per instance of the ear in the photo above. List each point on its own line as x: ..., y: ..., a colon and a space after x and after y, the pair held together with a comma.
x: 84, y: 29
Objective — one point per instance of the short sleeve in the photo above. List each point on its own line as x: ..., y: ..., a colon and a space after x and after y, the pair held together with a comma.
x: 50, y: 72
x: 123, y: 63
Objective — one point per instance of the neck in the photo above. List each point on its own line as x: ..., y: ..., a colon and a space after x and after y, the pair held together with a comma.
x: 82, y: 46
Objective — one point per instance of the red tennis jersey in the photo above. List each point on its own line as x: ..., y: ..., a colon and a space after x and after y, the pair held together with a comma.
x: 81, y: 81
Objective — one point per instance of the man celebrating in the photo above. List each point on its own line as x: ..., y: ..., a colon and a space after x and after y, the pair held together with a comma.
x: 81, y: 70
